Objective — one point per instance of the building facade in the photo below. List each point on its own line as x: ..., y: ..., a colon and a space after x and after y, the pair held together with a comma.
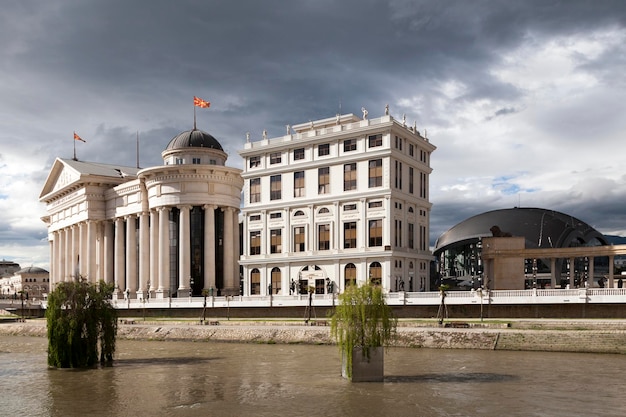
x: 337, y: 201
x: 31, y: 283
x: 164, y: 231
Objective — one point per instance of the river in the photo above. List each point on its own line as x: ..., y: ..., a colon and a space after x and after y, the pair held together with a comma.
x: 169, y: 378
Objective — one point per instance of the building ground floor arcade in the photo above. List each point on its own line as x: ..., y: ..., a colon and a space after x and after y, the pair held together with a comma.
x: 168, y: 251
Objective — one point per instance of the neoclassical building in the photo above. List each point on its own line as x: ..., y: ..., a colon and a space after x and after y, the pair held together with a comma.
x: 337, y: 201
x: 164, y: 231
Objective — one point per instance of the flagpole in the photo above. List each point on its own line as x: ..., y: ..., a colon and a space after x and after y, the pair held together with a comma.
x: 137, y: 149
x: 194, y: 117
x: 74, y: 140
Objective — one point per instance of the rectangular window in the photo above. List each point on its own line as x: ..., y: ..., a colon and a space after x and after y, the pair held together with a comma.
x: 411, y: 236
x: 195, y: 161
x: 349, y: 177
x: 375, y: 140
x: 255, y: 161
x: 298, y: 154
x: 411, y: 150
x: 275, y: 158
x: 275, y: 187
x: 323, y: 149
x: 376, y: 173
x: 255, y: 218
x: 398, y: 230
x: 255, y: 242
x: 349, y: 207
x: 411, y: 180
x: 375, y: 204
x: 298, y: 239
x: 323, y: 180
x: 349, y: 145
x: 179, y: 161
x: 376, y: 233
x: 276, y: 215
x: 323, y: 242
x: 349, y: 235
x: 276, y: 241
x: 298, y: 184
x: 255, y: 190
x: 398, y: 176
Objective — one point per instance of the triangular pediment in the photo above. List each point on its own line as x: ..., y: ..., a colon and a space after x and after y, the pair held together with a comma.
x: 61, y: 176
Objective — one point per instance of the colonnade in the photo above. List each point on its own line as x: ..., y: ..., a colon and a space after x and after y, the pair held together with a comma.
x: 148, y: 254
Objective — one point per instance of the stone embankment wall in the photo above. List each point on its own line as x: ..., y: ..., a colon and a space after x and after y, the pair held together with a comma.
x: 604, y: 337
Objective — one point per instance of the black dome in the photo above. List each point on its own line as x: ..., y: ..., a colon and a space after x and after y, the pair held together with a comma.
x: 540, y: 227
x: 193, y: 139
x: 32, y: 270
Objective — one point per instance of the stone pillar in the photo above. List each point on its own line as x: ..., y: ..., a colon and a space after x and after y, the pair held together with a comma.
x: 90, y: 255
x: 60, y: 253
x: 611, y: 283
x: 164, y: 253
x: 154, y: 250
x: 131, y: 255
x: 144, y: 254
x: 83, y: 259
x: 119, y: 271
x: 109, y: 254
x: 236, y: 249
x: 53, y: 266
x: 572, y: 262
x: 184, y: 261
x: 229, y: 256
x: 209, y: 248
x: 553, y: 273
x: 67, y: 254
x: 75, y: 258
x: 591, y: 278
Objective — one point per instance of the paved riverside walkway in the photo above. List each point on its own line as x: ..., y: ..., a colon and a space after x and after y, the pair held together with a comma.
x: 566, y: 335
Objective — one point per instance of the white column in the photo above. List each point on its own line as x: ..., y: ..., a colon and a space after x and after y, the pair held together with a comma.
x: 209, y: 248
x: 184, y: 242
x: 82, y: 250
x: 144, y: 253
x: 53, y: 267
x: 362, y: 226
x: 90, y: 254
x: 229, y: 256
x: 60, y: 261
x: 75, y: 272
x: 164, y: 253
x: 236, y: 249
x: 154, y: 250
x: 131, y: 255
x: 109, y: 254
x: 591, y: 278
x: 119, y: 271
x: 67, y: 254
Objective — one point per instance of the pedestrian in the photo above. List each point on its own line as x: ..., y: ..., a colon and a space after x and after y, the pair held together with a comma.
x: 620, y: 283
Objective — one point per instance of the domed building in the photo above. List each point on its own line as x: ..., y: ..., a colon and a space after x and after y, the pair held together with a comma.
x: 458, y: 250
x: 164, y: 231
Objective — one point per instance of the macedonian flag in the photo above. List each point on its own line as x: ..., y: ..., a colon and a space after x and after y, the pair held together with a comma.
x: 198, y: 102
x: 76, y: 137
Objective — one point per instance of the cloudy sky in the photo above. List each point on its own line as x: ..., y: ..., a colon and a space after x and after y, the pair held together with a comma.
x: 523, y: 99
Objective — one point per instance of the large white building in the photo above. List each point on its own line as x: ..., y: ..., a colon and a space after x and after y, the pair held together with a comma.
x: 337, y: 201
x: 163, y: 231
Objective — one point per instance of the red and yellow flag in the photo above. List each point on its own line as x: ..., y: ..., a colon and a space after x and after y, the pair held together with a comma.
x: 198, y: 102
x: 76, y: 137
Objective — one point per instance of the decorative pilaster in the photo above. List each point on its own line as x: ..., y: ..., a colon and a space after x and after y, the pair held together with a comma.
x: 209, y: 248
x: 184, y: 261
x: 144, y: 254
x: 164, y: 254
x: 119, y: 271
x: 131, y: 255
x: 109, y: 254
x: 154, y: 250
x: 91, y: 253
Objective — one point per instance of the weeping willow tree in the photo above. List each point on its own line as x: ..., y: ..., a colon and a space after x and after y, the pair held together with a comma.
x: 82, y: 324
x: 362, y: 319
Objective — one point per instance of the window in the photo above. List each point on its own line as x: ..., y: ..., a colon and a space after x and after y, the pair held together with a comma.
x: 398, y: 177
x: 298, y: 184
x: 323, y: 210
x: 422, y: 238
x: 255, y: 190
x: 349, y: 145
x: 179, y: 161
x: 255, y: 242
x: 255, y: 161
x: 375, y: 273
x: 349, y: 207
x: 411, y: 236
x: 411, y: 180
x: 255, y: 218
x: 376, y: 233
x: 276, y: 280
x: 275, y: 187
x: 375, y: 204
x: 423, y: 185
x: 349, y: 275
x: 276, y: 215
x: 349, y: 235
x: 323, y: 149
x: 276, y: 241
x: 298, y: 154
x: 398, y: 240
x: 411, y: 150
x: 323, y: 242
x: 195, y: 161
x: 323, y: 180
x: 275, y: 158
x: 298, y: 239
x: 375, y: 140
x: 376, y: 173
x: 298, y: 213
x: 255, y: 282
x: 349, y: 177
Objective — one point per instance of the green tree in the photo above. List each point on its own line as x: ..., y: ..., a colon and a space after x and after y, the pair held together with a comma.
x: 362, y: 319
x: 82, y: 324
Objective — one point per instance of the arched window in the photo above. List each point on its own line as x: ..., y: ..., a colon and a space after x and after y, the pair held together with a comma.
x: 323, y: 210
x: 376, y: 273
x: 276, y: 280
x: 410, y: 209
x: 350, y: 275
x: 298, y: 213
x: 255, y: 282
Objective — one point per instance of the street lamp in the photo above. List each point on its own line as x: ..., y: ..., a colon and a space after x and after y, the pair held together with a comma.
x: 190, y: 286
